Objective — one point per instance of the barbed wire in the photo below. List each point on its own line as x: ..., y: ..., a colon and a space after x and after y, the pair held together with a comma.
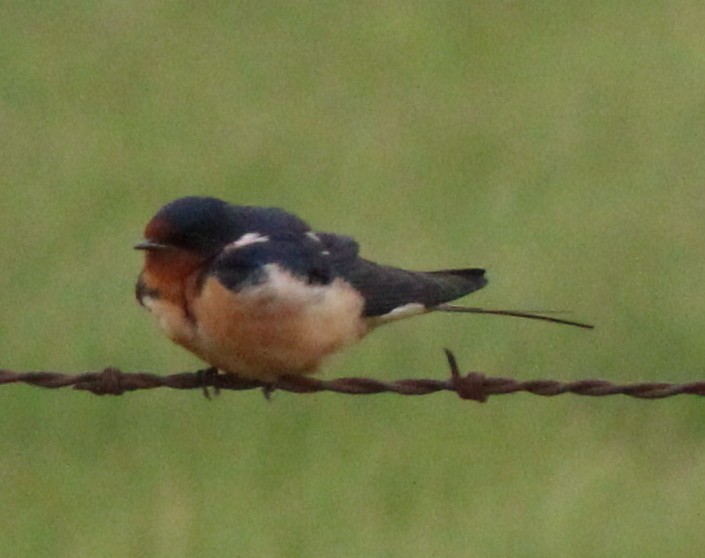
x: 473, y: 386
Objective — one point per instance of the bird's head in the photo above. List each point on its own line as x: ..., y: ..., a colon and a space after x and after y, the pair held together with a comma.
x: 198, y: 225
x: 186, y: 233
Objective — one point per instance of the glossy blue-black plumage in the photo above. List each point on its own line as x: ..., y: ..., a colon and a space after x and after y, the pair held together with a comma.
x: 245, y: 266
x: 209, y: 225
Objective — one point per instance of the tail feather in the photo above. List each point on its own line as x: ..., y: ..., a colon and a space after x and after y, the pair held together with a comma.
x: 458, y: 282
x: 512, y: 313
x: 387, y: 288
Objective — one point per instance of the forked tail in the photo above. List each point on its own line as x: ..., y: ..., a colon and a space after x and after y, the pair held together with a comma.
x: 513, y: 313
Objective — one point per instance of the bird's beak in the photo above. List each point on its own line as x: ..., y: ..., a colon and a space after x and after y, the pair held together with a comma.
x: 150, y: 245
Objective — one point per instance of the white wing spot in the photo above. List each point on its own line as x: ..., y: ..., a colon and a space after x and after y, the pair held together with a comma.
x: 404, y: 311
x: 313, y: 236
x: 247, y: 239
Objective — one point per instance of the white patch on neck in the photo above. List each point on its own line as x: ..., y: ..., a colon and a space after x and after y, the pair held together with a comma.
x: 148, y: 302
x: 247, y: 239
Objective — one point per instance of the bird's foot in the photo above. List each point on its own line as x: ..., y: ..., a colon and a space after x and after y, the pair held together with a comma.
x: 207, y: 378
x: 268, y: 389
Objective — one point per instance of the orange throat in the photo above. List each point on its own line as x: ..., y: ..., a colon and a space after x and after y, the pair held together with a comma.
x: 173, y: 278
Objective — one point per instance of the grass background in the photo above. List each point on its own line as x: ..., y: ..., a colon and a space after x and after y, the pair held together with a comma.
x: 558, y: 145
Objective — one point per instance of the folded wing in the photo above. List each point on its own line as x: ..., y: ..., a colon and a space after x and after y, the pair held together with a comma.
x: 390, y: 290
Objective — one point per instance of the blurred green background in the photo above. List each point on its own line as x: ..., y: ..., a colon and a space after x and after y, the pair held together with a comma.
x: 559, y: 145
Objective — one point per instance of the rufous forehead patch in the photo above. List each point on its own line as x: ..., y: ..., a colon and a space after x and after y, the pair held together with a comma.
x: 158, y: 229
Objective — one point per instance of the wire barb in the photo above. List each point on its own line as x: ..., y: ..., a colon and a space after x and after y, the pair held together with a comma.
x: 473, y: 386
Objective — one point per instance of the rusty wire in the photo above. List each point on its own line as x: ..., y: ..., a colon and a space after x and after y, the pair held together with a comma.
x: 474, y: 385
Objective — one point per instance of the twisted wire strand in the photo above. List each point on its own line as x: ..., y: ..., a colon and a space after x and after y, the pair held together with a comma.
x: 474, y: 385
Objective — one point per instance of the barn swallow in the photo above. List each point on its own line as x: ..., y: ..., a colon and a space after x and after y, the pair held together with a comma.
x: 255, y: 292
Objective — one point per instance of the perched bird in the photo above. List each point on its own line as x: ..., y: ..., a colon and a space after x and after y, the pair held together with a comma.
x: 255, y: 292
